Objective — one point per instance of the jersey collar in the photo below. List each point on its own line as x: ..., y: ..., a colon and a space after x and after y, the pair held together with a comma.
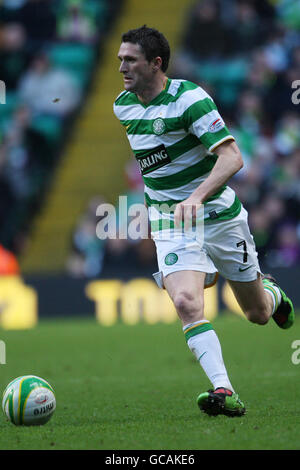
x: 159, y: 98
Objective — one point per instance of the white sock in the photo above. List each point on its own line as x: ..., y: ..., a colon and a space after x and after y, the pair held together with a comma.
x: 274, y: 292
x: 204, y: 344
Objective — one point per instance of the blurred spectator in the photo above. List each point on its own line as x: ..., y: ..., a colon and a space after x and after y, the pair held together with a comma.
x: 77, y: 24
x: 39, y: 21
x: 17, y: 155
x: 87, y: 250
x: 275, y: 50
x: 251, y: 81
x: 289, y: 13
x: 42, y: 96
x: 49, y: 90
x: 274, y: 207
x: 205, y: 35
x: 286, y: 251
x: 245, y: 53
x: 260, y: 76
x: 138, y: 253
x: 86, y: 259
x: 114, y: 255
x: 7, y: 196
x: 135, y: 183
x: 250, y: 111
x: 14, y: 57
x: 260, y: 225
x: 248, y: 31
x: 265, y: 10
x: 13, y: 4
x: 287, y: 134
x: 26, y: 152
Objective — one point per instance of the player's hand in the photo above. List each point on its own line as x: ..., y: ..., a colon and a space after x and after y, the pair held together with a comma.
x: 186, y: 213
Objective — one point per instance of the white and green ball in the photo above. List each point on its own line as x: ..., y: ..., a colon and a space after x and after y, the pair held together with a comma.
x: 28, y: 400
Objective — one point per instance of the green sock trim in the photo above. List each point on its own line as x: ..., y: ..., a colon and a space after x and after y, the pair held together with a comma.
x: 269, y: 287
x: 196, y: 330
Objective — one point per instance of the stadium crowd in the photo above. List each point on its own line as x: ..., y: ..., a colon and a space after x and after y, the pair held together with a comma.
x: 91, y: 256
x: 48, y: 51
x: 245, y: 53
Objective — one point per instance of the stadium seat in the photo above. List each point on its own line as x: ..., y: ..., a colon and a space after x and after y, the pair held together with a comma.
x: 227, y: 76
x: 49, y: 126
x: 77, y: 58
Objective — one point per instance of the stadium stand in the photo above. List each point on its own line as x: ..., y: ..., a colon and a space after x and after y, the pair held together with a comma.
x: 94, y: 159
x: 245, y: 53
x: 48, y: 52
x: 249, y: 63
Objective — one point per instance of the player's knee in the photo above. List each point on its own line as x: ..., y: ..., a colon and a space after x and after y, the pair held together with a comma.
x: 258, y: 315
x: 188, y: 305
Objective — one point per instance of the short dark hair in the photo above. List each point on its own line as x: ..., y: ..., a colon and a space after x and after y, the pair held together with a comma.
x: 152, y: 42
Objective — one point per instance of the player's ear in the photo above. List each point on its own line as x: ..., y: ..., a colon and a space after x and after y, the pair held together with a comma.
x: 156, y: 63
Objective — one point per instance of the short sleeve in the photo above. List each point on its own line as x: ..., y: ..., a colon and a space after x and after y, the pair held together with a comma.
x: 204, y: 121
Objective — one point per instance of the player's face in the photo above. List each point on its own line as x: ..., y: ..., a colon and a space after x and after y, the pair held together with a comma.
x: 137, y: 71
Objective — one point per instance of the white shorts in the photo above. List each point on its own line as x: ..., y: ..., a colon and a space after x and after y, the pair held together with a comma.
x: 228, y: 248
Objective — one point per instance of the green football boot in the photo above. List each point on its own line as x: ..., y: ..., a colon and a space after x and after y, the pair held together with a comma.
x: 284, y: 316
x: 221, y: 402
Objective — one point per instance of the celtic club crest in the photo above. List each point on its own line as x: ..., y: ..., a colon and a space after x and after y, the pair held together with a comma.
x: 159, y: 126
x: 171, y: 258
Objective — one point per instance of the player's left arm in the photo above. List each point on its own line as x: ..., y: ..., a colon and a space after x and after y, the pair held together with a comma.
x: 229, y: 162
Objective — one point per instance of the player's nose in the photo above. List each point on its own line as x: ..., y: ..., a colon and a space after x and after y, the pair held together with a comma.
x: 123, y: 67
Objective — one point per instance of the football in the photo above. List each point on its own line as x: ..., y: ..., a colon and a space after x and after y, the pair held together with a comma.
x: 28, y: 400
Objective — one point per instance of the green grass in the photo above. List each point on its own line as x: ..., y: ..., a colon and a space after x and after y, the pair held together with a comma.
x: 135, y: 387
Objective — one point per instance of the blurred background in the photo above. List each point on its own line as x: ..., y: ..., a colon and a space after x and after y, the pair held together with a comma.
x: 62, y: 151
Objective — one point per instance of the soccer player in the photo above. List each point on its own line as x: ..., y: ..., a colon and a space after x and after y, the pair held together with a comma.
x: 186, y: 156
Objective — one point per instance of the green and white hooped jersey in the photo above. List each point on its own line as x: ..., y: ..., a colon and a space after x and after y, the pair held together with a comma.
x: 173, y: 138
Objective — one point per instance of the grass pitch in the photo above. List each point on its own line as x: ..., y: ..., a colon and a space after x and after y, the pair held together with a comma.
x: 135, y: 387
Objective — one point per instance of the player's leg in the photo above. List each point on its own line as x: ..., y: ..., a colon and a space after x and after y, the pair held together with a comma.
x: 186, y: 289
x: 255, y: 302
x: 182, y: 263
x: 263, y: 299
x: 233, y: 252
